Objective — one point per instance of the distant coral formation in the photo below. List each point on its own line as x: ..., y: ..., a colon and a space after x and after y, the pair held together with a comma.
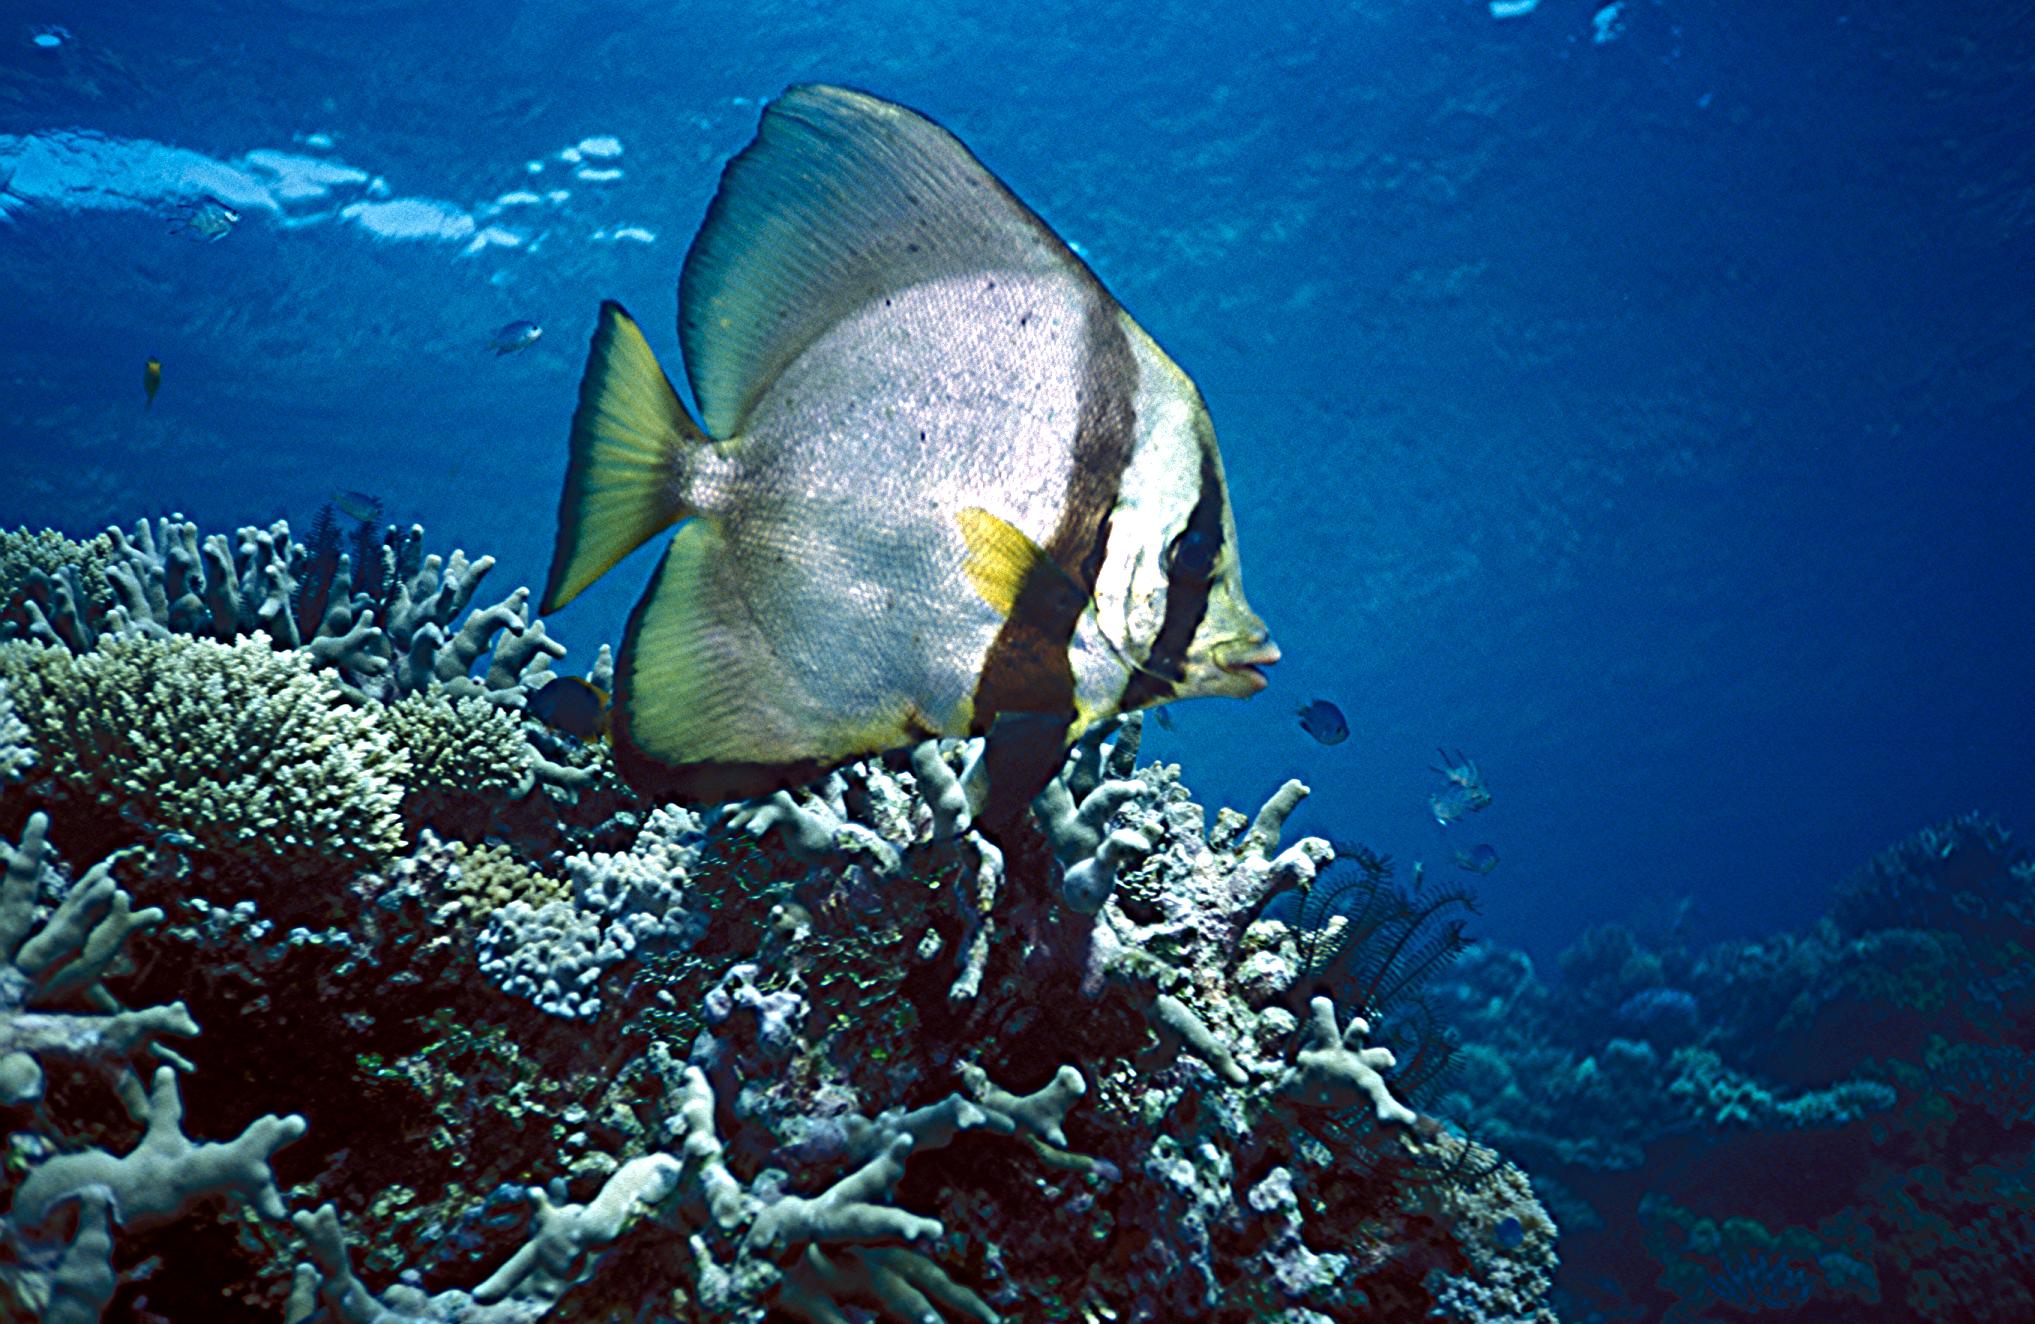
x: 1834, y: 1123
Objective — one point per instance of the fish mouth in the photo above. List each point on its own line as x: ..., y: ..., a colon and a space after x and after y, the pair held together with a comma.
x: 1248, y: 661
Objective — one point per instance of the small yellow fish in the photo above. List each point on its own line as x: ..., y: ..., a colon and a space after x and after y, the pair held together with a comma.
x: 152, y: 380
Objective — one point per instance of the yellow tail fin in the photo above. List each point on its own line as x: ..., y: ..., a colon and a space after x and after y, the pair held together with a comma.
x: 631, y: 443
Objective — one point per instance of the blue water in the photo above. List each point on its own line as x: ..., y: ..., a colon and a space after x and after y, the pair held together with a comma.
x: 1648, y: 418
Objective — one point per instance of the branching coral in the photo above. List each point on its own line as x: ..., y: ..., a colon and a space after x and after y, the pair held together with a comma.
x: 44, y: 575
x: 559, y: 1253
x: 236, y: 746
x: 1335, y: 1070
x: 458, y: 748
x: 383, y: 631
x: 166, y: 1172
x: 17, y: 752
x: 67, y: 1282
x: 52, y: 1000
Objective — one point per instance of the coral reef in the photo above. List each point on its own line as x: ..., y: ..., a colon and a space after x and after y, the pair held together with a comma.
x: 827, y: 1055
x: 1833, y: 1123
x: 489, y: 1039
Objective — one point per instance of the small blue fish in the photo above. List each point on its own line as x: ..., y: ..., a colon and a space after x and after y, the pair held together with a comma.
x: 574, y: 706
x: 1324, y: 721
x: 1482, y: 858
x: 208, y: 218
x: 515, y: 337
x: 1508, y: 1232
x: 1163, y: 718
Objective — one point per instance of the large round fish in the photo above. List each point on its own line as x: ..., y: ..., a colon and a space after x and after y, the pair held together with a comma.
x: 942, y: 485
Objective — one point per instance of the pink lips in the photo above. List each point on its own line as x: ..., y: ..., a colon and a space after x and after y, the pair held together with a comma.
x: 1250, y: 662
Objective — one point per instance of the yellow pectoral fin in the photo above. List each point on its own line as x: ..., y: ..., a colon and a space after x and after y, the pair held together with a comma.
x: 1000, y: 557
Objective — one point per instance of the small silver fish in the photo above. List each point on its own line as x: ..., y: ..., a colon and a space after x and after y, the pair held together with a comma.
x: 1324, y: 721
x: 208, y: 218
x: 1464, y: 795
x: 943, y: 484
x: 514, y: 338
x: 1479, y: 859
x: 359, y: 505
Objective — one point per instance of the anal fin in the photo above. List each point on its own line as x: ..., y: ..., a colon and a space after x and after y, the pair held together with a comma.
x: 700, y: 710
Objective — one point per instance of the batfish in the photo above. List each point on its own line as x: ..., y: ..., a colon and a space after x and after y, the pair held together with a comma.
x: 941, y: 484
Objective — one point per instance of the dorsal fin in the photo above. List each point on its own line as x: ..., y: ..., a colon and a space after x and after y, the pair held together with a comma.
x: 841, y: 199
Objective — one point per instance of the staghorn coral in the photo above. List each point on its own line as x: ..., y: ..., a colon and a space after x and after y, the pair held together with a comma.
x: 235, y: 747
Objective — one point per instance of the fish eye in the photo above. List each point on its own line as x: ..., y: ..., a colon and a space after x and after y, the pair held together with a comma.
x: 1192, y: 553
